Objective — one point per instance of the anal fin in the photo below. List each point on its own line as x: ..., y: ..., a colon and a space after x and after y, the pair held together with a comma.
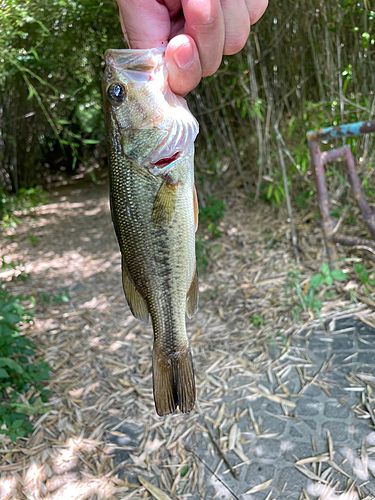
x: 196, y: 207
x: 192, y: 295
x: 165, y: 203
x: 136, y: 302
x: 173, y: 379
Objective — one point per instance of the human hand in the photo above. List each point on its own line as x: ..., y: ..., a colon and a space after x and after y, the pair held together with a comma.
x: 196, y: 33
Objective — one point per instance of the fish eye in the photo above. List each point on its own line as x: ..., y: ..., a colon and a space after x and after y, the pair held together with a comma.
x: 116, y: 93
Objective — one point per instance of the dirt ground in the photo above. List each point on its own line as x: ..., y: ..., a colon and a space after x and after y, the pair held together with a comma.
x: 101, y: 356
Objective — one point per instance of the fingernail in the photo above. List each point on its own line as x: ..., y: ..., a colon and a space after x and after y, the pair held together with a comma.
x: 184, y: 56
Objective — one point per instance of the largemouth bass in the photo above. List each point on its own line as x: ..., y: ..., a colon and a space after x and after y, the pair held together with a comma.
x: 150, y: 134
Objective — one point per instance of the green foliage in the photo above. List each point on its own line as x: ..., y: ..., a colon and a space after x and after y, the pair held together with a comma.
x: 368, y: 189
x: 205, y: 253
x: 326, y: 277
x: 184, y: 470
x: 318, y: 115
x: 20, y: 374
x: 309, y: 302
x: 363, y: 275
x: 341, y: 212
x: 202, y: 253
x: 24, y: 200
x: 303, y: 199
x: 253, y: 109
x: 61, y: 297
x: 309, y: 295
x: 334, y: 172
x: 257, y: 320
x: 52, y: 71
x: 209, y: 217
x: 30, y: 198
x: 211, y: 214
x: 52, y: 105
x: 274, y: 192
x: 7, y: 265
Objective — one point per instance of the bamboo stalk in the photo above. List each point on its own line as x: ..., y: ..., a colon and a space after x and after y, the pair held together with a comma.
x: 255, y: 95
x: 286, y: 189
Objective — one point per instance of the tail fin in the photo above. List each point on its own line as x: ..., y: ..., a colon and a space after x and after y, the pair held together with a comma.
x: 174, y: 383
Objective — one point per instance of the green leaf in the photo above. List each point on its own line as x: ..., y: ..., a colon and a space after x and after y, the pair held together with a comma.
x: 358, y: 268
x: 325, y: 269
x: 363, y: 276
x: 17, y: 423
x: 318, y: 305
x: 74, y: 161
x: 339, y: 275
x: 257, y: 111
x: 184, y: 471
x: 277, y: 197
x: 329, y: 280
x: 90, y: 141
x: 3, y: 373
x: 13, y: 318
x: 316, y: 280
x: 10, y: 363
x: 13, y: 436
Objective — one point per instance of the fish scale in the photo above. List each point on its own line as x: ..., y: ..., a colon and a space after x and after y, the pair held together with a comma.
x: 154, y: 212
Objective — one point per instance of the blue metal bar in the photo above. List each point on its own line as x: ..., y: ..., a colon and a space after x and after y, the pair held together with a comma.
x: 347, y: 130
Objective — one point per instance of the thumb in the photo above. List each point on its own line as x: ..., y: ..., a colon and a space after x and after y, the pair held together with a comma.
x: 183, y: 64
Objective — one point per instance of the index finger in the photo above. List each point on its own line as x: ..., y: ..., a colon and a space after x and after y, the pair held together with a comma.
x: 204, y: 22
x: 146, y: 23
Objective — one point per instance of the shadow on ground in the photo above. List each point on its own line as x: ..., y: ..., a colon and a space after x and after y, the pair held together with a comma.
x: 285, y: 410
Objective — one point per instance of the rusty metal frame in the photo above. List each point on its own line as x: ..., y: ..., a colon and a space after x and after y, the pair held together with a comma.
x: 319, y: 159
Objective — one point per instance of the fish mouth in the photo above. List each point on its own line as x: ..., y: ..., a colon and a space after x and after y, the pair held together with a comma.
x: 134, y: 59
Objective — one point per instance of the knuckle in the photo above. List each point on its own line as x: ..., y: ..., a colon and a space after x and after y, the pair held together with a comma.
x: 205, y: 24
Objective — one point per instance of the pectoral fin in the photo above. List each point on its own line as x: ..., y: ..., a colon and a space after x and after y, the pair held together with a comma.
x: 136, y: 302
x: 196, y: 207
x: 192, y: 295
x: 165, y: 203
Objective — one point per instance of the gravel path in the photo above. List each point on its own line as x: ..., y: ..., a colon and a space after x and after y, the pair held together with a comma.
x: 270, y: 384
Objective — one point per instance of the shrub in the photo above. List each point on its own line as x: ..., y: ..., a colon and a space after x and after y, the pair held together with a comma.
x: 22, y: 391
